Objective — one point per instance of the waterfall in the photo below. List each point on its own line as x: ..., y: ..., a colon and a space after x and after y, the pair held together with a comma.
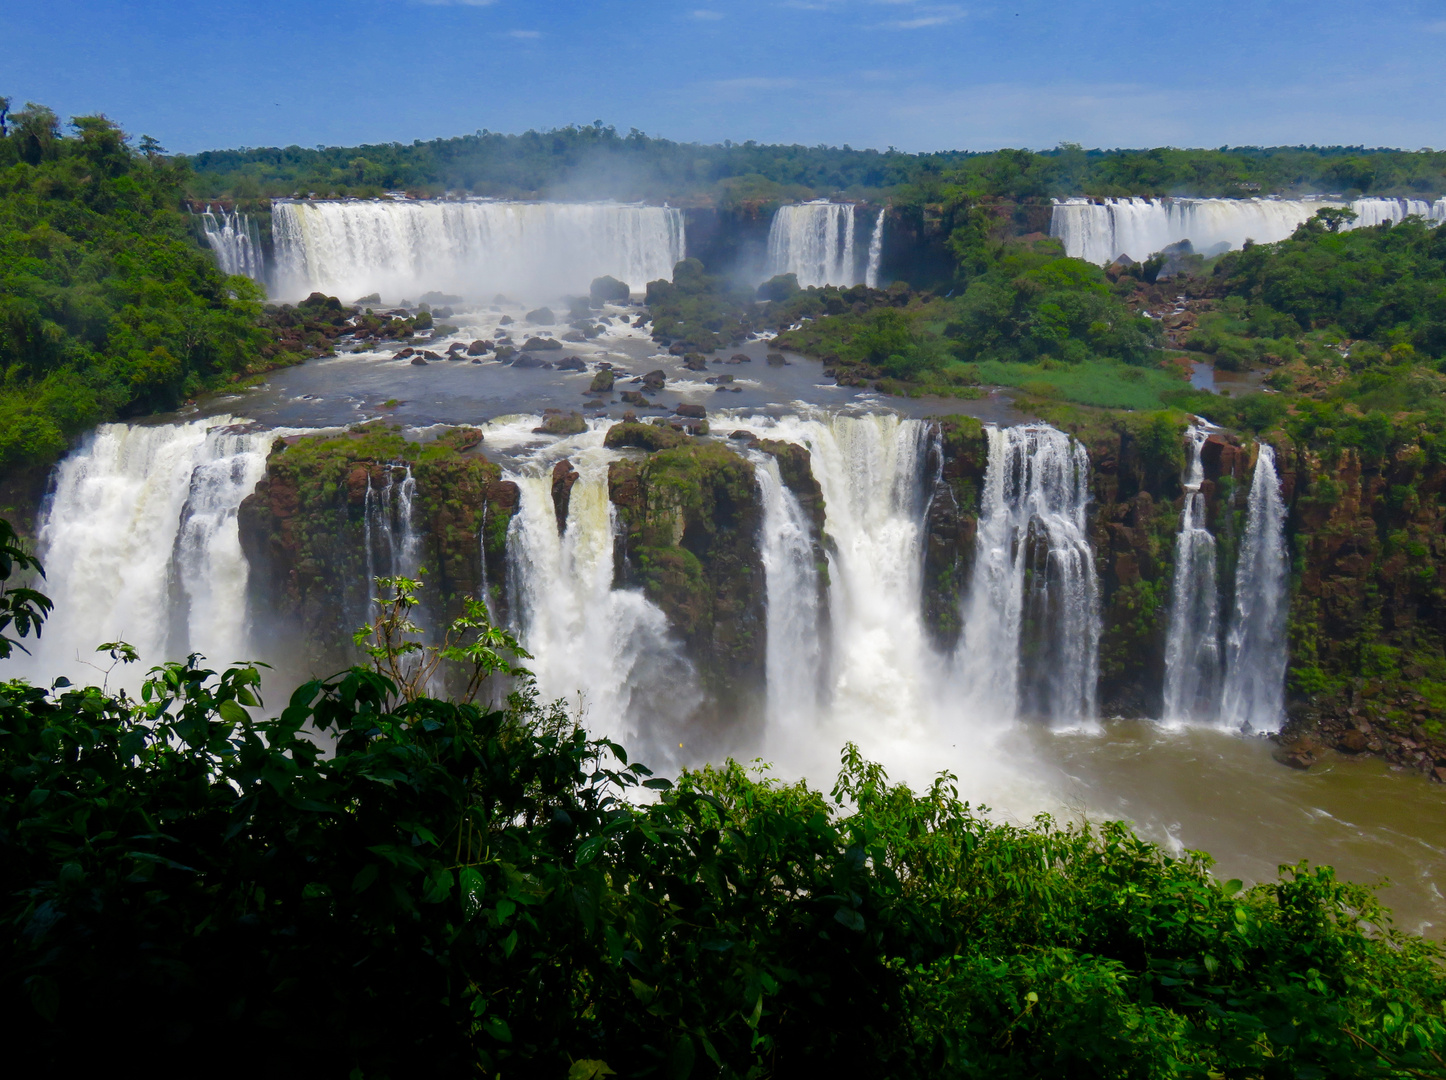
x: 140, y: 544
x: 815, y: 241
x: 1102, y: 231
x: 389, y: 535
x: 794, y: 647
x: 1031, y: 621
x: 876, y: 252
x: 475, y: 248
x: 1192, y: 645
x: 880, y: 676
x: 1255, y: 647
x: 609, y: 650
x: 236, y: 241
x: 1377, y: 211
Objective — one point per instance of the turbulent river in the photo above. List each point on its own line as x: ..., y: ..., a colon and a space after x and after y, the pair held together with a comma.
x: 140, y: 539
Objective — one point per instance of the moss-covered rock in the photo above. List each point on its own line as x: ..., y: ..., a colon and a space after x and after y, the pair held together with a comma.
x: 643, y: 437
x: 690, y: 516
x: 958, y: 458
x: 305, y: 530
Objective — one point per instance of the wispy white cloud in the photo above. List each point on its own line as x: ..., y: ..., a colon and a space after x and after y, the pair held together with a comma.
x: 526, y: 35
x: 924, y: 15
x: 1437, y: 27
x: 704, y: 13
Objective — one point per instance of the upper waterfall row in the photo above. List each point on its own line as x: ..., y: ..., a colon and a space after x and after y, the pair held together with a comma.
x: 1101, y: 231
x: 474, y: 248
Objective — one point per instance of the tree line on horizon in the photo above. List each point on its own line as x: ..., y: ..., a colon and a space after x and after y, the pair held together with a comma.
x: 597, y: 161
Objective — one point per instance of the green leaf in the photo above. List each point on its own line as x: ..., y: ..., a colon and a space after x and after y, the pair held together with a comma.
x: 850, y: 918
x: 365, y: 876
x: 588, y: 850
x: 233, y: 712
x: 497, y: 1028
x: 681, y: 1058
x: 589, y: 1070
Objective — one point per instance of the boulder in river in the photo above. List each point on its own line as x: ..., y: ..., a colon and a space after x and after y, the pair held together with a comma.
x: 655, y: 380
x: 419, y: 361
x: 533, y: 344
x: 527, y: 360
x: 575, y: 336
x: 635, y: 397
x: 694, y: 412
x: 571, y: 363
x: 557, y: 422
x: 608, y: 290
x: 542, y: 316
x: 777, y: 359
x: 404, y: 353
x: 478, y: 347
x: 602, y: 383
x: 505, y: 352
x: 740, y: 358
x: 695, y: 362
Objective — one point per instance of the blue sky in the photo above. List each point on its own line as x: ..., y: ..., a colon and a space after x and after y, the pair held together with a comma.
x: 916, y: 74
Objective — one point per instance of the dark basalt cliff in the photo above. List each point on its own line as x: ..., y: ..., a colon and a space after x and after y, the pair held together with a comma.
x: 690, y: 517
x: 304, y: 531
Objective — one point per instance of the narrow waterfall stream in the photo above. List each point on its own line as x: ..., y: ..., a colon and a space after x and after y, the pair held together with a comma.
x: 876, y: 252
x: 1031, y: 622
x: 1255, y: 647
x: 795, y: 647
x: 1192, y: 643
x: 236, y: 241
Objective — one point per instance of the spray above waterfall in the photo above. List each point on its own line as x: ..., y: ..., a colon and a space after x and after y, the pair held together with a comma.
x: 474, y: 248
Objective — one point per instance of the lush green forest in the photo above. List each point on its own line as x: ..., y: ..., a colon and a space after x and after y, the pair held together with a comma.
x: 109, y: 306
x: 479, y: 884
x: 596, y: 161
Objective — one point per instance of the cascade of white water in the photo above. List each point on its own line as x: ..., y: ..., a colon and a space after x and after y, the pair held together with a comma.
x: 815, y: 241
x: 475, y: 248
x: 881, y: 678
x: 609, y: 650
x: 235, y: 239
x: 795, y: 651
x: 1100, y: 232
x: 876, y: 253
x: 1030, y: 644
x: 1378, y: 211
x: 1192, y: 644
x: 1255, y: 647
x: 140, y: 544
x: 389, y: 533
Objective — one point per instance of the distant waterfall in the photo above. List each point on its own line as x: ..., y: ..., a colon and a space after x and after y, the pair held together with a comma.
x: 794, y: 656
x: 236, y: 241
x: 140, y: 544
x: 610, y: 650
x: 1192, y: 645
x: 476, y: 248
x: 1031, y: 622
x: 389, y: 533
x: 1102, y: 231
x: 1255, y: 648
x: 815, y: 241
x: 876, y: 253
x: 1377, y: 211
